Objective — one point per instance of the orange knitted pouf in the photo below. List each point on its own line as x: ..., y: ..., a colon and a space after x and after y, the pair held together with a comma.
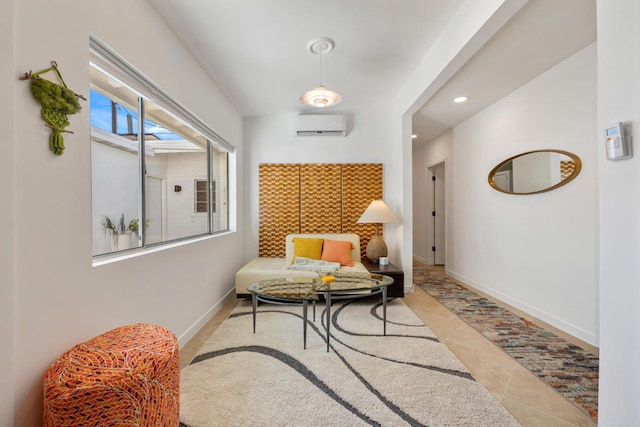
x: 127, y: 376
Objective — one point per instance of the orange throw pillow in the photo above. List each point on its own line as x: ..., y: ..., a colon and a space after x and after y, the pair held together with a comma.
x: 337, y: 251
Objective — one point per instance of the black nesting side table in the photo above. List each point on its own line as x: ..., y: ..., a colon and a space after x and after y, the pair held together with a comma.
x: 393, y: 271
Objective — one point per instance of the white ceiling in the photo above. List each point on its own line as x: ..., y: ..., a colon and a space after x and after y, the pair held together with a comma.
x: 256, y: 51
x: 542, y: 34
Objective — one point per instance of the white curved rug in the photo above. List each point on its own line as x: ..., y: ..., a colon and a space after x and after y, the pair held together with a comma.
x: 267, y: 379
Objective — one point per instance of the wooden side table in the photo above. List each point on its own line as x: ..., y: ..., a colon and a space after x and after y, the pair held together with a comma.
x: 393, y: 271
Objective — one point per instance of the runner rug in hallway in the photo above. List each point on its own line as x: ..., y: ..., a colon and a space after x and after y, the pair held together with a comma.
x: 407, y: 378
x: 569, y: 369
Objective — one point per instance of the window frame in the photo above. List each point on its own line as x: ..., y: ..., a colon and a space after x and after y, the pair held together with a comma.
x: 207, y: 191
x: 103, y: 59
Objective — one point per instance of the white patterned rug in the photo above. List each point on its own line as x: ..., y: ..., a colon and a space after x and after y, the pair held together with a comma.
x: 267, y: 379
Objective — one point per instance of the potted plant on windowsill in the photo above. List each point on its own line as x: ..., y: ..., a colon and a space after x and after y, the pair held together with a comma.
x: 122, y: 236
x: 115, y: 231
x: 134, y: 226
x: 133, y: 229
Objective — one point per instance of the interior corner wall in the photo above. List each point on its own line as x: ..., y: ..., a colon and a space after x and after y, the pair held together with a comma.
x: 272, y: 139
x: 7, y: 80
x: 430, y: 154
x: 619, y: 101
x: 535, y: 252
x: 59, y: 298
x: 472, y: 26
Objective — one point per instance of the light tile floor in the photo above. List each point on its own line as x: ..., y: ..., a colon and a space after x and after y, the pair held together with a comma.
x: 529, y: 400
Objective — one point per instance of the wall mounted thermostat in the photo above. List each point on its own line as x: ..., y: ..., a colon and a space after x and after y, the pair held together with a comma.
x: 616, y: 144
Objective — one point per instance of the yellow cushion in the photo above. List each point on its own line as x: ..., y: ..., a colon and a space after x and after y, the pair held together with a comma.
x: 308, y: 247
x: 337, y: 251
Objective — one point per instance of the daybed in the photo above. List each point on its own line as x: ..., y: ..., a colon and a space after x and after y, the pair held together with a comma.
x: 272, y: 268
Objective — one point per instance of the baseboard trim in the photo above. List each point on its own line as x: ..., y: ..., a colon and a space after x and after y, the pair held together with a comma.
x: 420, y: 259
x: 535, y: 313
x: 198, y: 324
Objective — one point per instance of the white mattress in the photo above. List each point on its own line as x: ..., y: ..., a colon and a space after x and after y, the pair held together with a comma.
x: 274, y: 268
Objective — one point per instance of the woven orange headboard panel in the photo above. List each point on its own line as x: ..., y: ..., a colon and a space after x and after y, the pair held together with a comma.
x: 566, y: 169
x: 279, y: 204
x: 314, y: 198
x: 320, y: 198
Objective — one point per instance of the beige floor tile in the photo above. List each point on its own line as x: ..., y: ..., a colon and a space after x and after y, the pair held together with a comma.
x: 527, y: 389
x: 492, y: 369
x: 440, y: 320
x: 467, y: 336
x: 533, y: 417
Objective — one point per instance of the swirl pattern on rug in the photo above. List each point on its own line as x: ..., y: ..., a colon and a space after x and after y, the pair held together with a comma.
x: 407, y: 377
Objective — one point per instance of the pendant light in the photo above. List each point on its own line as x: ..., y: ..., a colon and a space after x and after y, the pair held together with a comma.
x: 320, y: 96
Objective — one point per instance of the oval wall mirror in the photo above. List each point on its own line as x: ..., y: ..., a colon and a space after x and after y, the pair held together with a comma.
x: 535, y: 172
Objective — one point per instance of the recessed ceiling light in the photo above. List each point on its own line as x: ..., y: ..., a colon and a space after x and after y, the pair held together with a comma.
x: 414, y: 136
x: 461, y: 99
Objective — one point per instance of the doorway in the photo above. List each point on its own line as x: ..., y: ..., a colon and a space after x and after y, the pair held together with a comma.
x: 437, y: 222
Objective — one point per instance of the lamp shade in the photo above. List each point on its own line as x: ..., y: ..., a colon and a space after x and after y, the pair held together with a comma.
x: 320, y: 97
x: 378, y: 212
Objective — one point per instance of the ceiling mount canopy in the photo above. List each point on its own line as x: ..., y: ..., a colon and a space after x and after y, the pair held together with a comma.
x: 320, y: 45
x: 320, y: 96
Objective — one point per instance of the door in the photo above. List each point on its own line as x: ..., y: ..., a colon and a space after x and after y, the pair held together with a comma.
x: 503, y: 180
x: 438, y: 213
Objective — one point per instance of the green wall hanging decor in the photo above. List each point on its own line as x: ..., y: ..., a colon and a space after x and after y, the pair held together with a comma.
x: 57, y: 102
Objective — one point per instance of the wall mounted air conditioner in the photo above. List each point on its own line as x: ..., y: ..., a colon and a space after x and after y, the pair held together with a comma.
x: 320, y: 125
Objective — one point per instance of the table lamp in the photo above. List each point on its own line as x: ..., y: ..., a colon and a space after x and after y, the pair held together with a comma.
x: 377, y: 213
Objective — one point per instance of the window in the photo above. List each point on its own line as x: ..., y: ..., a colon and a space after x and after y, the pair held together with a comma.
x: 156, y: 169
x: 201, y: 196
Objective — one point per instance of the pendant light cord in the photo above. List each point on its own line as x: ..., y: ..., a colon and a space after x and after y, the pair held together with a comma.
x: 321, y: 71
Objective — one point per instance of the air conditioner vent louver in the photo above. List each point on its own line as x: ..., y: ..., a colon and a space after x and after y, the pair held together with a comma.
x: 320, y: 125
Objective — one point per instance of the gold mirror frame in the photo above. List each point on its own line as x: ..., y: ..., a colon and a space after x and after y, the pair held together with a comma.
x: 576, y: 170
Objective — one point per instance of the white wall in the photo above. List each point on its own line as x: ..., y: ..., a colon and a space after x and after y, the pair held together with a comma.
x: 59, y: 299
x: 114, y: 176
x: 183, y: 169
x: 473, y: 25
x: 7, y: 81
x: 272, y: 140
x: 619, y: 100
x: 535, y: 172
x: 535, y: 252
